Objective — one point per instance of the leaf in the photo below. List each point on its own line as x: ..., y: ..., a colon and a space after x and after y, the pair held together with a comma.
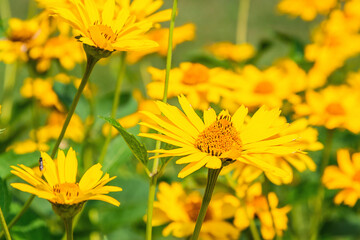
x: 5, y: 198
x: 137, y: 148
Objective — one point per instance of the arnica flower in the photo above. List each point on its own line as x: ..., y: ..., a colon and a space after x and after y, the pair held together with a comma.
x: 197, y: 82
x: 332, y: 107
x: 233, y: 52
x: 345, y: 176
x: 109, y: 29
x: 180, y: 210
x: 60, y: 186
x: 161, y: 36
x: 219, y: 139
x: 307, y: 10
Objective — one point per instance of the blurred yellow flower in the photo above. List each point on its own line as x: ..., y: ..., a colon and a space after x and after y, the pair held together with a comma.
x: 306, y: 9
x: 221, y: 138
x: 198, y: 83
x: 345, y: 176
x: 230, y: 51
x: 28, y: 146
x: 180, y: 210
x: 110, y: 29
x: 332, y: 107
x: 60, y: 185
x: 161, y: 36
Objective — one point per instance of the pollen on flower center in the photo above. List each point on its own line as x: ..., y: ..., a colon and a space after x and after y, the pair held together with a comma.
x: 264, y: 87
x: 192, y: 208
x: 104, y: 30
x: 67, y: 190
x: 196, y: 74
x: 335, y: 109
x: 219, y: 137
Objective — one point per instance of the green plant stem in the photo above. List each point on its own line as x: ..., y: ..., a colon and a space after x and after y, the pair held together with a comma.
x: 5, y: 227
x: 242, y: 22
x: 69, y: 228
x: 5, y: 12
x: 115, y: 104
x: 155, y: 170
x: 210, y: 185
x: 253, y: 229
x: 318, y: 205
x: 8, y: 95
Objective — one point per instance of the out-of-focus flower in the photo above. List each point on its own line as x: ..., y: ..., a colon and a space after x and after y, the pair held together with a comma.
x: 221, y: 138
x: 161, y: 36
x: 306, y: 9
x: 108, y: 29
x: 230, y: 51
x: 345, y: 176
x: 134, y: 118
x: 332, y: 107
x: 198, y: 83
x: 21, y: 37
x: 60, y: 186
x: 180, y: 210
x: 28, y: 146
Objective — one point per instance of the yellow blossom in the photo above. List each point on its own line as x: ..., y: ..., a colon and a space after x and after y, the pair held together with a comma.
x: 60, y: 185
x: 28, y: 146
x: 180, y: 210
x: 230, y: 51
x: 220, y: 138
x: 345, y: 176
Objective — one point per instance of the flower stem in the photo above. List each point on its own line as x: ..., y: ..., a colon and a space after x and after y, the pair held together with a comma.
x: 8, y: 96
x: 69, y: 228
x: 115, y: 104
x: 210, y: 185
x: 243, y: 16
x: 155, y: 169
x: 5, y: 227
x: 254, y: 230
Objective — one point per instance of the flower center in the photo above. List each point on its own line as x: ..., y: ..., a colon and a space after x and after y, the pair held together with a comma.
x: 192, y: 208
x: 219, y: 137
x: 264, y: 87
x: 357, y: 176
x: 335, y: 109
x: 104, y: 30
x: 196, y: 74
x: 66, y: 190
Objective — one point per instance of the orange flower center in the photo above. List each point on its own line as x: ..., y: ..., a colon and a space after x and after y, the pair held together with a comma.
x: 21, y: 36
x: 335, y: 109
x: 196, y: 74
x: 219, y: 137
x: 66, y: 190
x: 102, y: 35
x: 192, y: 208
x: 264, y: 87
x: 357, y: 176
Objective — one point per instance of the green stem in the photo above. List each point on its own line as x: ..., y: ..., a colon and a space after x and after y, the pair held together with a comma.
x: 69, y: 228
x: 210, y: 185
x: 91, y: 61
x: 8, y: 97
x: 115, y: 104
x: 155, y: 169
x: 253, y: 229
x: 5, y: 227
x: 318, y: 205
x: 5, y: 12
x: 242, y: 23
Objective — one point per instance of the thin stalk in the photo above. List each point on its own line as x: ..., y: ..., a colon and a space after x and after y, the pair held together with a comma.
x: 69, y: 228
x: 5, y: 227
x: 318, y: 205
x: 253, y: 229
x: 210, y: 185
x: 242, y: 22
x: 155, y: 170
x: 115, y: 104
x: 8, y: 97
x: 5, y: 12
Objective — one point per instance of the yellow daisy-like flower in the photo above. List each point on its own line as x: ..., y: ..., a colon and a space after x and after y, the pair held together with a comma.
x: 234, y: 52
x: 219, y: 139
x: 108, y: 29
x: 180, y: 210
x: 345, y: 176
x: 60, y: 185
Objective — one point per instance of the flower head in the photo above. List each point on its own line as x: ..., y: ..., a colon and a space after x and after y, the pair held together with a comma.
x: 345, y: 176
x: 234, y: 52
x: 60, y: 186
x: 219, y: 139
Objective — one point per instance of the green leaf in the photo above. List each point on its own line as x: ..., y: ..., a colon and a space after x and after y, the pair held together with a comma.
x: 5, y: 198
x: 137, y: 148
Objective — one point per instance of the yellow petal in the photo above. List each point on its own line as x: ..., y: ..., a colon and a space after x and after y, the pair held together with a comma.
x: 91, y: 177
x: 71, y: 165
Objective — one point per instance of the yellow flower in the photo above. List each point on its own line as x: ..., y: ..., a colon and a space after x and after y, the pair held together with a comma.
x: 180, y: 210
x: 219, y: 138
x: 109, y: 29
x: 234, y: 52
x: 345, y: 176
x: 28, y: 146
x: 198, y: 83
x: 332, y: 107
x: 161, y: 36
x: 306, y: 9
x: 60, y: 185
